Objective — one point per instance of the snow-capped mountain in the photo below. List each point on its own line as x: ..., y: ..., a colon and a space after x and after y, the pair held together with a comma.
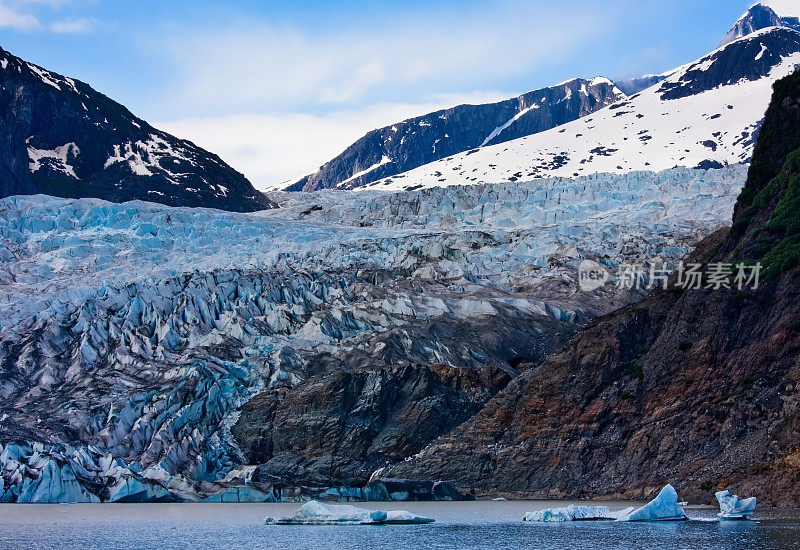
x: 406, y: 145
x: 60, y: 137
x: 756, y: 18
x: 704, y: 114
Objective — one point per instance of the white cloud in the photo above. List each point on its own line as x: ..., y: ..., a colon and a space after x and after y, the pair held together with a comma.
x: 258, y: 66
x: 35, y: 15
x: 15, y: 19
x: 354, y: 88
x: 786, y: 8
x: 75, y: 26
x: 274, y: 148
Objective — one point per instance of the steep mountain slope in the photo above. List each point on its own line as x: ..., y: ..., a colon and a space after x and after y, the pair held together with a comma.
x: 60, y: 137
x: 134, y: 338
x: 705, y: 114
x: 698, y: 387
x: 756, y: 18
x: 417, y: 141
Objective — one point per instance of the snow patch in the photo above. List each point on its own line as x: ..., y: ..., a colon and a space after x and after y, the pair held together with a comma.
x: 384, y: 160
x: 497, y: 131
x: 57, y: 159
x: 45, y: 75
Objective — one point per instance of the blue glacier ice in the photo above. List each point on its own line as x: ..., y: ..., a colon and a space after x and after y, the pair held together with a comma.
x: 664, y: 507
x: 576, y: 513
x: 730, y: 507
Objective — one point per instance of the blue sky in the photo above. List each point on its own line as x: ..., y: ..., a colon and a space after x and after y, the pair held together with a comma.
x: 277, y: 88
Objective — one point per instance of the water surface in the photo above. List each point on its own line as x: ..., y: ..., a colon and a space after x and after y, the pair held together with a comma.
x: 481, y: 524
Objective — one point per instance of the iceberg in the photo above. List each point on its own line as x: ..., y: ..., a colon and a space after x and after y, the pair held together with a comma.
x: 664, y: 507
x: 576, y: 513
x: 318, y: 513
x: 730, y: 507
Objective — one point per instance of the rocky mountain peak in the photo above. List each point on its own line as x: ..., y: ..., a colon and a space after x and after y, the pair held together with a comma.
x: 756, y: 18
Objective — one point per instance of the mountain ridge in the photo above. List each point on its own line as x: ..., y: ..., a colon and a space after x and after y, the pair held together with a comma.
x: 368, y: 160
x: 758, y: 17
x: 704, y: 114
x: 63, y: 138
x: 383, y: 152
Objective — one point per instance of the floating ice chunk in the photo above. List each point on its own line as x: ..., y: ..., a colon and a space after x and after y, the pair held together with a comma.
x: 730, y: 507
x: 318, y: 513
x: 664, y: 507
x: 576, y: 513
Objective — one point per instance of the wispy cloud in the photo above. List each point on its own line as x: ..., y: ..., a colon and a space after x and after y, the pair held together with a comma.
x: 257, y: 65
x: 75, y: 26
x: 45, y: 15
x: 13, y: 18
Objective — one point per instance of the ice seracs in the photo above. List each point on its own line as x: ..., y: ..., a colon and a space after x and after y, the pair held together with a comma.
x: 319, y: 513
x: 730, y: 507
x: 664, y: 507
x: 576, y: 513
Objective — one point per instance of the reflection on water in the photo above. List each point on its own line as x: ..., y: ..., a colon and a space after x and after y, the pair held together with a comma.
x: 458, y: 525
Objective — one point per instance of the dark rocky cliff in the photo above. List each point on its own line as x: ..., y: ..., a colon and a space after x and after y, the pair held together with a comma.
x: 60, y: 137
x: 700, y: 388
x: 337, y: 428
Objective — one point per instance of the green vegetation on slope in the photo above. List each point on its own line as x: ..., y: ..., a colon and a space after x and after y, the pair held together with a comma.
x: 767, y: 214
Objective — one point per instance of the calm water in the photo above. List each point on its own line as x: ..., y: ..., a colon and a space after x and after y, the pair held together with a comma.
x: 482, y: 524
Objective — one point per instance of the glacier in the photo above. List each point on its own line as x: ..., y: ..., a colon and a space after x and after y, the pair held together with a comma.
x: 318, y: 513
x: 131, y: 334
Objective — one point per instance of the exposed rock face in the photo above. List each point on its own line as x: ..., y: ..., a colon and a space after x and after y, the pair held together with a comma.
x: 747, y: 60
x: 420, y: 140
x: 756, y: 18
x: 60, y: 137
x: 338, y: 427
x: 699, y: 387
